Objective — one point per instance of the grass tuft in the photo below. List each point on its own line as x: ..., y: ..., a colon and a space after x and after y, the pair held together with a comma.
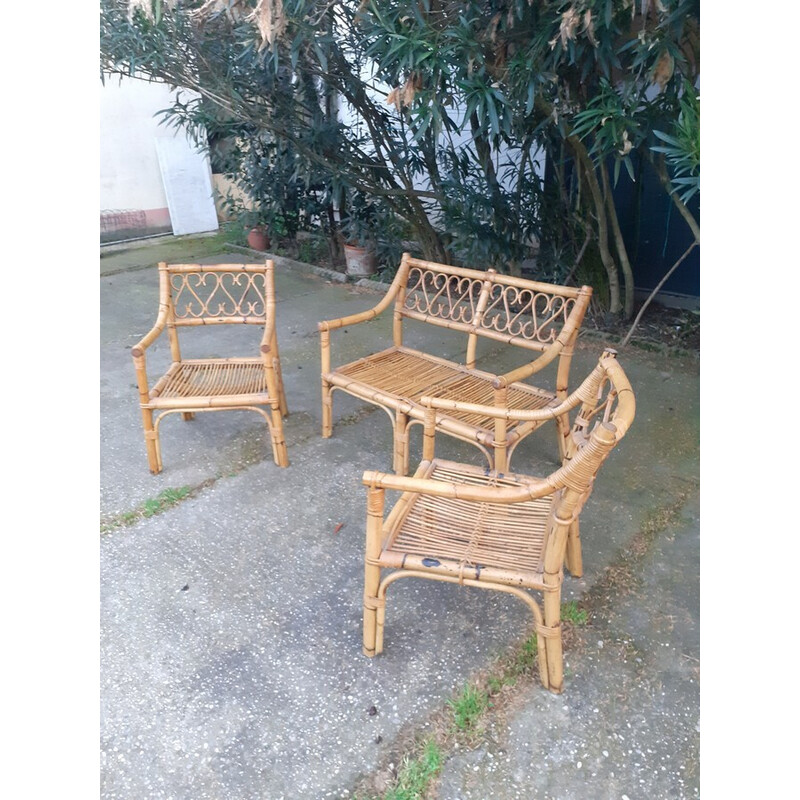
x: 468, y: 707
x: 151, y: 507
x: 571, y: 612
x: 415, y: 775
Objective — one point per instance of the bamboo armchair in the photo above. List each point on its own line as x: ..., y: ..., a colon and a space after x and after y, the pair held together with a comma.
x: 540, y: 317
x: 220, y: 294
x: 461, y: 524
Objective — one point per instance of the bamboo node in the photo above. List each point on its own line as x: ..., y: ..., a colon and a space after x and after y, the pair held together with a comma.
x: 373, y: 603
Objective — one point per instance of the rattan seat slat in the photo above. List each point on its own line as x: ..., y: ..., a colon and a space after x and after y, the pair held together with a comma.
x: 430, y: 526
x: 409, y: 375
x: 401, y: 373
x: 215, y: 379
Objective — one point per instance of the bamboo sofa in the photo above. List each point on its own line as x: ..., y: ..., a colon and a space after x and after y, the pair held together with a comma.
x: 219, y: 294
x: 462, y: 524
x: 539, y: 317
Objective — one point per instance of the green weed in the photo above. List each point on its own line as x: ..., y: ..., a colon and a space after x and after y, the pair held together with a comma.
x: 416, y: 774
x: 468, y: 707
x: 155, y: 505
x: 570, y: 612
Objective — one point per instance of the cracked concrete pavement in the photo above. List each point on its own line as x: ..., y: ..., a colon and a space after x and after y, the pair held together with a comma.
x: 231, y: 662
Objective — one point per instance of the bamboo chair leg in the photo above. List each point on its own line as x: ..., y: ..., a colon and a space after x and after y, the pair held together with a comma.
x: 500, y: 458
x: 563, y: 430
x: 151, y: 441
x: 574, y: 556
x: 187, y: 415
x: 372, y: 572
x: 327, y: 410
x: 380, y: 626
x: 279, y: 451
x: 284, y: 406
x: 279, y: 374
x: 555, y: 663
x: 401, y: 444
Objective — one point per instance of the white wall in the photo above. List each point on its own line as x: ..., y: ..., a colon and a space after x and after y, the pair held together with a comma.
x: 129, y: 172
x: 153, y: 178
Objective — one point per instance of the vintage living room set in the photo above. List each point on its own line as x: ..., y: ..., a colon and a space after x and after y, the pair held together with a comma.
x: 453, y: 522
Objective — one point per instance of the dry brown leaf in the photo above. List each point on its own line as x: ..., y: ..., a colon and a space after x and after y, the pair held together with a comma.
x: 409, y: 90
x: 393, y: 98
x: 493, y: 25
x: 588, y: 27
x: 665, y: 66
x: 570, y: 20
x: 211, y: 6
x: 627, y: 144
x: 270, y: 20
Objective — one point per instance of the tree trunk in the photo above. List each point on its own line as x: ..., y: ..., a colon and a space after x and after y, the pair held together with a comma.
x: 614, y: 304
x: 619, y: 242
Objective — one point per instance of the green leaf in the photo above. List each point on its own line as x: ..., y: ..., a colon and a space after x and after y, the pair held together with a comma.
x: 629, y: 167
x: 666, y: 138
x: 323, y: 58
x: 529, y: 103
x: 492, y: 109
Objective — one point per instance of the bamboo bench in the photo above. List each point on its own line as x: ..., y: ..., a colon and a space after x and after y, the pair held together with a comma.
x: 541, y: 317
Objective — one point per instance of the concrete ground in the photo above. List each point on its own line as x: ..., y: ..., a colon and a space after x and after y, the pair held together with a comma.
x: 231, y: 662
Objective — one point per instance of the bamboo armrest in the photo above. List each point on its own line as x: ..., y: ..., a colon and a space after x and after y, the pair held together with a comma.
x: 362, y: 316
x: 458, y: 491
x: 517, y: 415
x: 269, y: 333
x: 139, y: 348
x: 526, y: 370
x: 584, y: 393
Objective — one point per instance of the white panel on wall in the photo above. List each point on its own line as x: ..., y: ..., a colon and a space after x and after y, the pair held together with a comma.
x: 186, y: 174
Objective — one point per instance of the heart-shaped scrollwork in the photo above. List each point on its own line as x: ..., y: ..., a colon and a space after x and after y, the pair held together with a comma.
x: 527, y: 314
x: 218, y: 294
x: 436, y: 294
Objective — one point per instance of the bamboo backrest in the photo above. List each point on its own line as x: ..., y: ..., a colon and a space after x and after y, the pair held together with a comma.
x: 194, y: 294
x: 607, y: 407
x: 525, y: 313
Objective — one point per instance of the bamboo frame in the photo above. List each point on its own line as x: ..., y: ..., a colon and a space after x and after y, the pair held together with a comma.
x: 219, y: 294
x: 460, y: 524
x: 537, y: 316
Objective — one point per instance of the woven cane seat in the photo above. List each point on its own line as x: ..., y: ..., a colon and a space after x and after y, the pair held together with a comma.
x: 476, y: 538
x: 400, y: 374
x: 204, y: 381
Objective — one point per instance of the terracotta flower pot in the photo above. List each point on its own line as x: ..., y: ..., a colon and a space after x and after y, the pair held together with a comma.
x: 360, y: 261
x: 258, y: 239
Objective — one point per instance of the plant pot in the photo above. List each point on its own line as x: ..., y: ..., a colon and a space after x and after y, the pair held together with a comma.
x: 360, y: 261
x: 258, y: 239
